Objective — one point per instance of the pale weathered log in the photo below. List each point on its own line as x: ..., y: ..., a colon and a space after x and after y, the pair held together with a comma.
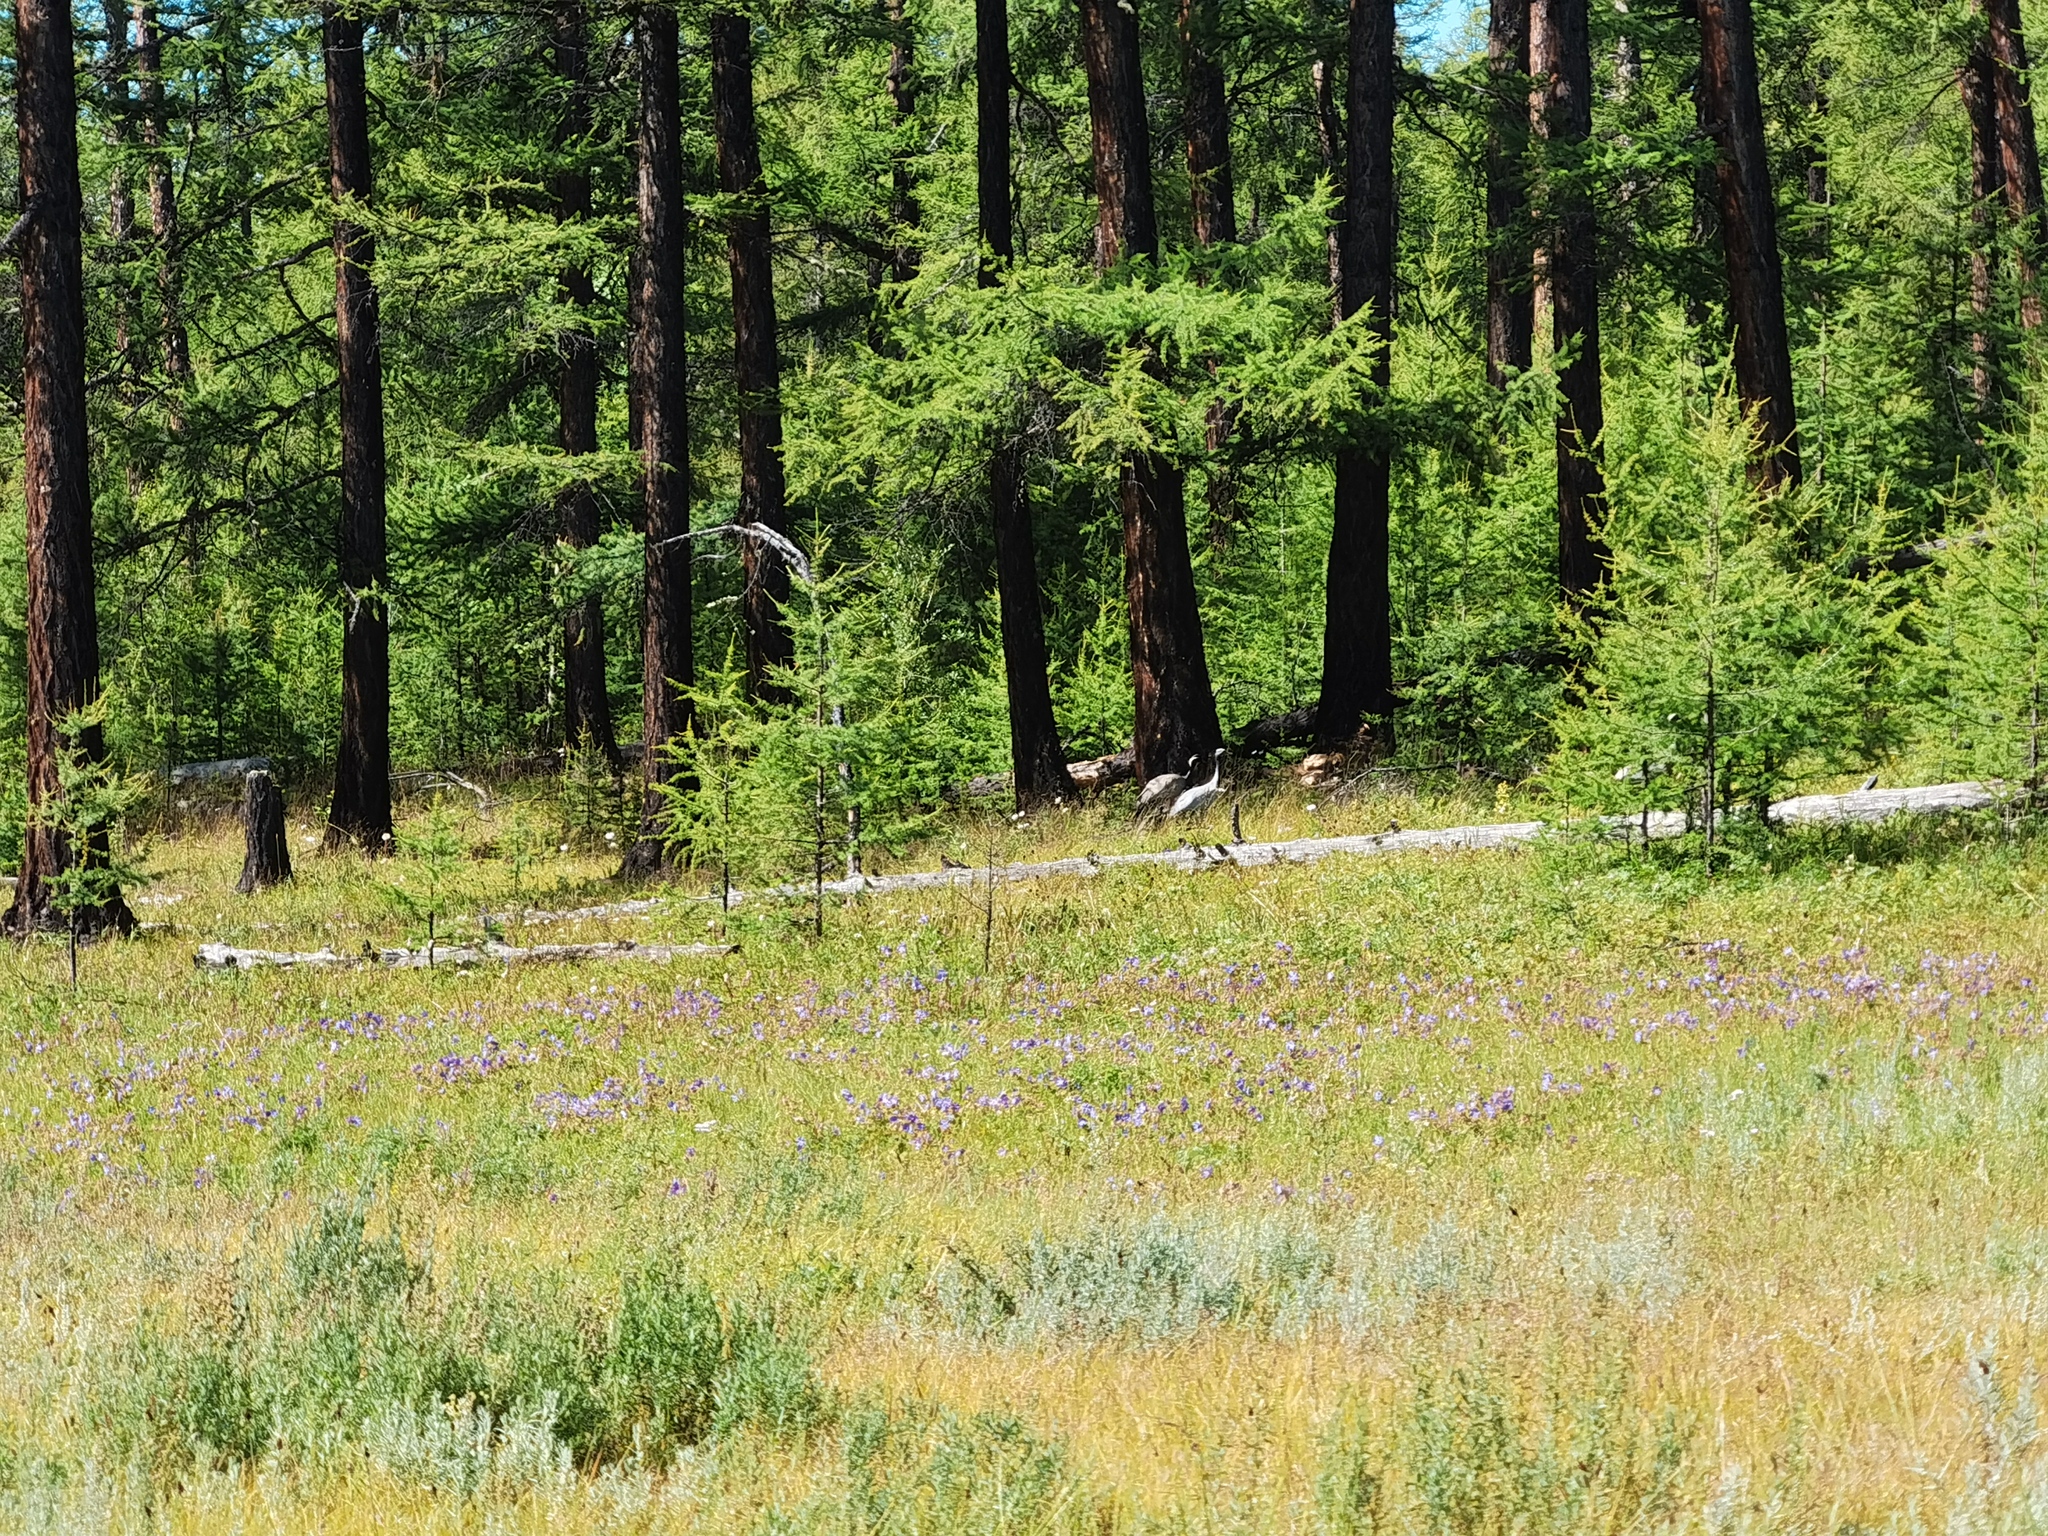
x: 222, y: 768
x: 225, y: 957
x: 267, y: 856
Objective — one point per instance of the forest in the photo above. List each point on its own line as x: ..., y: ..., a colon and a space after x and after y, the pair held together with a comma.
x: 805, y: 413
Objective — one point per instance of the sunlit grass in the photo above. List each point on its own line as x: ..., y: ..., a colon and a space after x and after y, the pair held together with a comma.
x: 1546, y: 1190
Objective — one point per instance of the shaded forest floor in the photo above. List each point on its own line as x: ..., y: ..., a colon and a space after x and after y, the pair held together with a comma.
x: 1560, y: 1189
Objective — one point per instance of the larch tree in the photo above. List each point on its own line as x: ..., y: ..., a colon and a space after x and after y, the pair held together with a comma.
x: 1358, y: 644
x: 757, y: 365
x: 62, y: 634
x: 361, y: 812
x: 1561, y: 59
x: 586, y: 702
x: 661, y: 383
x: 1732, y: 107
x: 2019, y: 151
x: 901, y: 83
x: 1212, y: 195
x: 1976, y: 83
x: 1510, y: 296
x: 1038, y: 767
x: 1175, y: 706
x: 176, y: 348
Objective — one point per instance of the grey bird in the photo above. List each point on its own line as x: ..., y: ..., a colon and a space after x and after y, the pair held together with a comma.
x: 1160, y: 793
x: 1197, y: 798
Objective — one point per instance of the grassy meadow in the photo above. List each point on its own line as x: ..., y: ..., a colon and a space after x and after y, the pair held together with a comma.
x: 1559, y: 1190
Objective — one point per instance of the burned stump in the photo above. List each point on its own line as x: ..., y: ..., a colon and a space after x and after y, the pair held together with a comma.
x: 269, y: 857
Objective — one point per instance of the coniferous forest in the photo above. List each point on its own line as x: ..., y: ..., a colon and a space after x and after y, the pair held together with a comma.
x: 1023, y: 768
x: 1539, y: 393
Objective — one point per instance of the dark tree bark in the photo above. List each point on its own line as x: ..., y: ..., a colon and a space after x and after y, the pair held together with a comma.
x: 660, y: 377
x: 587, y: 705
x: 1749, y: 234
x: 757, y: 367
x: 1976, y: 83
x: 1358, y: 646
x: 63, y: 625
x: 1329, y: 145
x: 1510, y: 298
x: 1038, y: 768
x: 1561, y: 53
x: 163, y: 195
x: 1213, y: 213
x: 901, y: 81
x: 2019, y: 153
x: 121, y: 198
x: 1210, y: 177
x: 1176, y: 708
x: 362, y: 772
x: 267, y: 854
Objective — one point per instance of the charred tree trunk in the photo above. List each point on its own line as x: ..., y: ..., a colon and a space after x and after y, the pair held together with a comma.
x: 660, y: 378
x: 1210, y: 176
x: 121, y: 200
x: 1564, y: 52
x: 2019, y: 153
x: 1749, y: 235
x: 163, y: 194
x: 63, y: 624
x: 1510, y: 297
x: 1176, y: 708
x: 904, y: 212
x: 587, y: 705
x: 362, y: 772
x: 1213, y: 210
x: 1038, y: 768
x: 267, y: 854
x: 1976, y: 83
x: 757, y: 368
x: 1358, y: 645
x: 1330, y: 146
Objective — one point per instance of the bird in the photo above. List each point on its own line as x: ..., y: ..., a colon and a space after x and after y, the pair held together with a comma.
x: 1197, y: 798
x: 1871, y: 782
x: 1162, y: 791
x: 947, y: 861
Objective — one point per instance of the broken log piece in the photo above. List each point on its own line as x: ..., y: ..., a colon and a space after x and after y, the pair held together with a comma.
x: 1101, y: 772
x: 220, y: 768
x: 267, y: 859
x: 225, y: 957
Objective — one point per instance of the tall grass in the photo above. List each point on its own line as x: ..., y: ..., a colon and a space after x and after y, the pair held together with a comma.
x: 1567, y: 1190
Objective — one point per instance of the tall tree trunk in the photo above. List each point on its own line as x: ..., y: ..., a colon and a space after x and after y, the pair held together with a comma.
x: 1329, y: 146
x: 2020, y: 155
x: 362, y: 772
x: 1976, y: 84
x: 1358, y: 644
x: 1749, y: 235
x: 904, y: 212
x: 1176, y: 708
x: 121, y: 201
x: 1562, y: 53
x: 163, y: 194
x: 1510, y: 298
x: 587, y: 705
x: 757, y: 368
x: 1038, y: 768
x: 660, y: 378
x: 1213, y: 209
x: 63, y: 624
x: 1210, y: 177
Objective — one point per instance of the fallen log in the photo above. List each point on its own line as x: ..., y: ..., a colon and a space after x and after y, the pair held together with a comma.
x: 225, y: 957
x: 220, y: 768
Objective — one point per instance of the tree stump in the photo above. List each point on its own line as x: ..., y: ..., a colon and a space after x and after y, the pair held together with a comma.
x: 269, y: 857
